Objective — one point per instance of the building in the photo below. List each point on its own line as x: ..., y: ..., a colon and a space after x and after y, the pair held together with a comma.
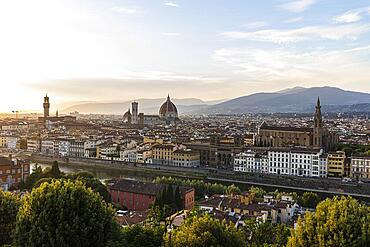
x: 135, y: 113
x: 217, y: 153
x: 163, y: 153
x: 64, y: 147
x: 46, y: 106
x: 139, y: 196
x: 283, y: 161
x: 186, y: 158
x: 11, y: 142
x: 281, y: 136
x: 127, y: 117
x: 13, y: 171
x: 336, y: 163
x: 167, y: 115
x: 48, y: 147
x: 248, y: 162
x: 3, y: 141
x: 34, y: 145
x: 360, y: 167
x: 76, y: 149
x: 168, y: 112
x: 46, y: 119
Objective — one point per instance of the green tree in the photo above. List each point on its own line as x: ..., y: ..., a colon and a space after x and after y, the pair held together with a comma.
x: 309, y: 200
x: 278, y: 234
x: 143, y: 236
x: 258, y: 191
x: 177, y: 198
x: 9, y: 205
x: 233, y: 190
x: 55, y: 171
x: 35, y: 175
x: 64, y: 213
x: 205, y: 231
x: 169, y: 195
x: 337, y: 222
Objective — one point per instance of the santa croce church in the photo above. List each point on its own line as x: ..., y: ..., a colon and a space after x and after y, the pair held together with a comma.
x: 279, y: 136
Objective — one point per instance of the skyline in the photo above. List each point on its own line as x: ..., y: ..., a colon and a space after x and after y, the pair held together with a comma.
x: 122, y: 50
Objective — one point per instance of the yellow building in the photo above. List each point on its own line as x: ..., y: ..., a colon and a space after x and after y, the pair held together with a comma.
x: 336, y: 163
x: 152, y: 140
x: 3, y: 141
x: 186, y: 158
x: 162, y: 153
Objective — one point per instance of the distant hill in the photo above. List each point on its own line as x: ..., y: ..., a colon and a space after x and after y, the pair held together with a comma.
x: 147, y: 106
x: 291, y: 100
x: 297, y: 99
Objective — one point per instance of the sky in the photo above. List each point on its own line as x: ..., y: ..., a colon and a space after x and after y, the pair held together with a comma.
x: 118, y: 50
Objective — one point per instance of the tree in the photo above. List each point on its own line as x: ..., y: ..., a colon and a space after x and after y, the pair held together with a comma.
x: 278, y: 234
x: 55, y: 171
x: 337, y: 222
x: 64, y: 213
x: 35, y: 175
x: 9, y: 205
x: 143, y: 236
x: 169, y: 195
x: 233, y: 190
x: 205, y: 231
x: 258, y: 191
x: 177, y: 198
x: 309, y: 200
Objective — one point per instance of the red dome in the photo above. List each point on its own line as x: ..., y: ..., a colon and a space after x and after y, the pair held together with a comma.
x: 167, y: 107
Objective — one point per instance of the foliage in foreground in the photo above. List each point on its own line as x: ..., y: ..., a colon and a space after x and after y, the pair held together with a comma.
x: 64, y: 213
x: 338, y: 222
x: 9, y: 205
x: 205, y: 231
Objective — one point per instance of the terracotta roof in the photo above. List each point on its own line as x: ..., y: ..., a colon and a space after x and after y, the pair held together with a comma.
x: 167, y: 107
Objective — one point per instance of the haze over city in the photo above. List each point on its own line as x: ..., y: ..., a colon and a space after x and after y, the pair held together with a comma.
x: 122, y: 50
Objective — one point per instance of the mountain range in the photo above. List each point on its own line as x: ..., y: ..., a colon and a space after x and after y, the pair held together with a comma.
x: 298, y: 99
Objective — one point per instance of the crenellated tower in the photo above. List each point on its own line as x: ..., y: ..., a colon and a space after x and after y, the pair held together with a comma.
x: 46, y: 106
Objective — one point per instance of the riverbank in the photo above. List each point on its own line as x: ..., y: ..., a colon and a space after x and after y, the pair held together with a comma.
x: 104, y: 169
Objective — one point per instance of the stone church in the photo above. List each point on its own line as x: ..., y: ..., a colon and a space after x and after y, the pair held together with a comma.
x: 279, y: 136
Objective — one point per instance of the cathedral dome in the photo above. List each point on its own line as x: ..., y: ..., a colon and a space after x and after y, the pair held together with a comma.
x: 168, y: 109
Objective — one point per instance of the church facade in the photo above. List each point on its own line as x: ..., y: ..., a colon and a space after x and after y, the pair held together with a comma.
x: 279, y: 136
x: 168, y: 114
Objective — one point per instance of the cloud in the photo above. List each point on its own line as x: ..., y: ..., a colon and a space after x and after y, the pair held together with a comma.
x: 128, y: 11
x: 352, y: 15
x: 171, y: 4
x: 283, y: 65
x: 171, y: 34
x: 294, y: 20
x: 332, y: 32
x: 256, y: 24
x: 298, y: 5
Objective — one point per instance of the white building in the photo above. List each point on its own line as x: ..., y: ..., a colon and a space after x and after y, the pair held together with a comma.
x: 48, y: 147
x: 64, y: 148
x: 11, y: 142
x: 360, y: 167
x: 305, y: 162
x: 34, y: 145
x: 247, y: 162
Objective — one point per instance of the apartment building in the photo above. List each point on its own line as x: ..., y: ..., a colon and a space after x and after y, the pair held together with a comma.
x: 186, y: 158
x: 296, y: 162
x: 336, y: 163
x: 360, y: 167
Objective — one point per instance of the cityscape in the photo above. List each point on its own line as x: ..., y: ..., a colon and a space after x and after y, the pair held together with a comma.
x: 267, y: 144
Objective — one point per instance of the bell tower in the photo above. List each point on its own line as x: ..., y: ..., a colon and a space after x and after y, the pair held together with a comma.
x: 46, y: 106
x: 318, y: 128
